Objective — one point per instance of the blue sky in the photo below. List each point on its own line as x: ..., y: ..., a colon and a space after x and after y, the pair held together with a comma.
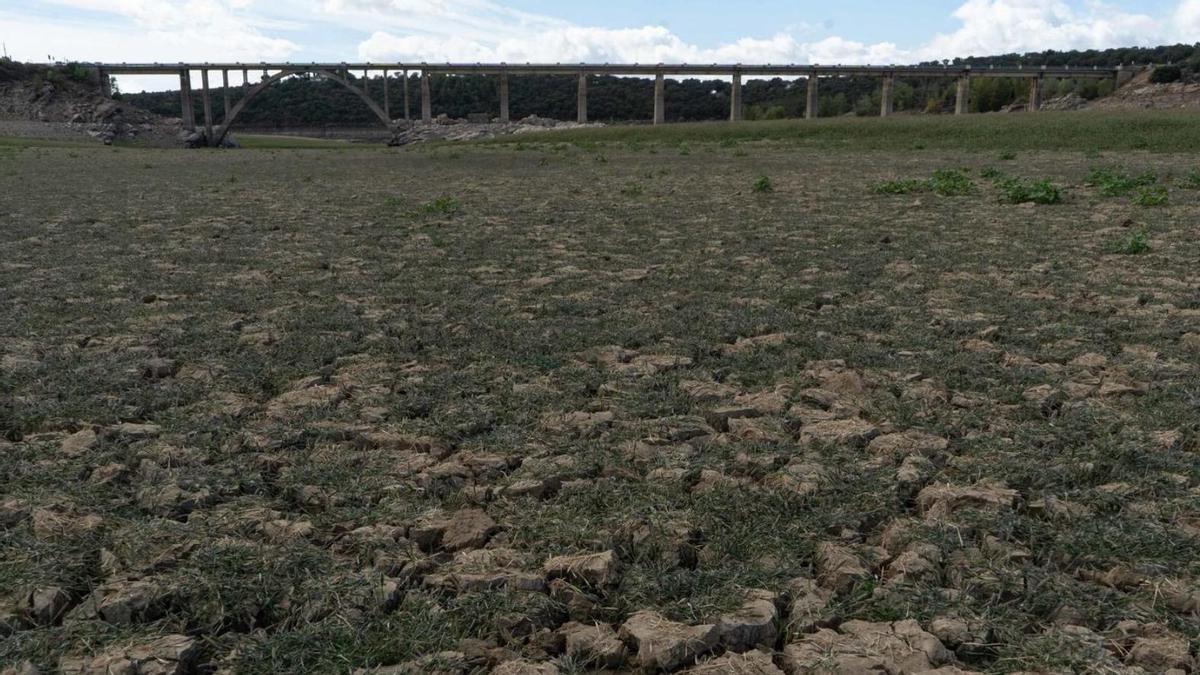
x: 746, y: 31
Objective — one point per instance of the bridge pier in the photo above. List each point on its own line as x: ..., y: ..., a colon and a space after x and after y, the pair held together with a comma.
x: 736, y: 111
x: 185, y: 100
x: 387, y: 99
x: 1035, y: 93
x: 407, y: 107
x: 225, y: 91
x: 962, y: 101
x: 366, y: 82
x: 581, y: 99
x: 245, y: 78
x: 888, y: 105
x: 660, y: 99
x: 811, y: 110
x: 426, y: 99
x: 208, y: 114
x: 105, y: 83
x: 504, y: 112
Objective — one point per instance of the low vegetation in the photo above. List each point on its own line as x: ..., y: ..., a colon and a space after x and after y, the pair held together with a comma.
x: 531, y: 412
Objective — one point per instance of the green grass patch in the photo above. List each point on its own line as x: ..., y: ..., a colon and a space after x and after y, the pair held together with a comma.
x: 1115, y: 182
x: 1135, y: 243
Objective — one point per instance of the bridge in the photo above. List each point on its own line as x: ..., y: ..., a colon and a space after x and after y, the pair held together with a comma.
x: 340, y: 73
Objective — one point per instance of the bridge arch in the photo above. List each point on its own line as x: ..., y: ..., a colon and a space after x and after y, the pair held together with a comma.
x: 223, y: 130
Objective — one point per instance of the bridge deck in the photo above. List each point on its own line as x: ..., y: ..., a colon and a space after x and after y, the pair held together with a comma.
x: 622, y: 69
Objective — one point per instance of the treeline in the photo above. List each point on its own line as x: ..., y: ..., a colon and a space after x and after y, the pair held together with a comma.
x: 307, y: 100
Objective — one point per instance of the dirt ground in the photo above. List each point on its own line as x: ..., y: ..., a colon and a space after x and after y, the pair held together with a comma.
x: 562, y: 409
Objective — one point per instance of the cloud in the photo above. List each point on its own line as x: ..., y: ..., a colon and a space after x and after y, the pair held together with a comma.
x: 488, y: 30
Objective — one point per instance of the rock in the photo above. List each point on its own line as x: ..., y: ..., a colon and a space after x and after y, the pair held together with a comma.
x: 440, y: 663
x: 838, y: 568
x: 172, y: 501
x: 1158, y: 654
x: 914, y: 472
x: 752, y: 625
x: 132, y: 431
x: 596, y: 646
x: 918, y: 561
x: 719, y: 418
x: 12, y: 513
x: 742, y: 345
x: 79, y: 443
x: 864, y: 647
x: 808, y: 606
x: 22, y: 668
x: 168, y: 655
x: 666, y: 645
x: 596, y: 569
x: 46, y: 605
x: 750, y: 663
x: 468, y: 528
x: 908, y: 443
x: 125, y: 603
x: 854, y: 432
x: 159, y: 369
x: 281, y: 530
x: 940, y: 501
x: 952, y: 631
x: 525, y: 667
x: 55, y: 522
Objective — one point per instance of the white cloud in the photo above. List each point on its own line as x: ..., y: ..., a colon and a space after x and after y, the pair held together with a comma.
x: 487, y: 30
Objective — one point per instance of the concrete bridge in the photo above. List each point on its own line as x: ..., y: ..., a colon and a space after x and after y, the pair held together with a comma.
x: 340, y: 73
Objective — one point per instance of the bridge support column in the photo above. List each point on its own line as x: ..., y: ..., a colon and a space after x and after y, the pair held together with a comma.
x: 426, y: 99
x: 811, y: 110
x: 581, y: 99
x: 105, y: 83
x: 888, y: 104
x: 736, y: 112
x: 962, y: 101
x: 504, y: 111
x: 208, y: 114
x: 245, y: 78
x: 407, y: 108
x: 1035, y: 93
x: 185, y: 100
x: 387, y: 98
x: 225, y: 91
x: 366, y: 83
x: 660, y: 99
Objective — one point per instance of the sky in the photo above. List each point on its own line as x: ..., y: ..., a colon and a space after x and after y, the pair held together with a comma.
x: 633, y: 31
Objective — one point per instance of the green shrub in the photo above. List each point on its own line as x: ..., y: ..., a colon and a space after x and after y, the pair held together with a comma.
x: 1115, y: 182
x: 1151, y: 195
x: 1022, y: 190
x: 1136, y: 243
x: 1165, y: 74
x: 1192, y: 180
x: 763, y: 185
x: 951, y: 183
x: 445, y: 206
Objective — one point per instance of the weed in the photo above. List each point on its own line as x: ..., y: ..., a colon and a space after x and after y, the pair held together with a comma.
x: 1136, y: 243
x: 763, y: 185
x: 1116, y: 183
x: 1151, y: 195
x: 1192, y: 180
x: 951, y: 183
x: 442, y: 206
x: 633, y: 190
x: 1022, y: 190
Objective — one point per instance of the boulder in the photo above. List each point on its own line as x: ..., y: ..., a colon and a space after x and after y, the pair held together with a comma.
x: 663, y: 644
x: 167, y: 655
x: 752, y: 625
x: 595, y: 569
x: 865, y: 647
x: 750, y: 663
x: 594, y: 645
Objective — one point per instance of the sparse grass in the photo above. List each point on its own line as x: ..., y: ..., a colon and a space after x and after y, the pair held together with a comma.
x: 441, y: 206
x: 763, y: 185
x: 1115, y: 182
x: 1017, y: 190
x: 1152, y: 195
x: 338, y: 283
x: 1135, y: 243
x: 1161, y: 132
x: 944, y: 182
